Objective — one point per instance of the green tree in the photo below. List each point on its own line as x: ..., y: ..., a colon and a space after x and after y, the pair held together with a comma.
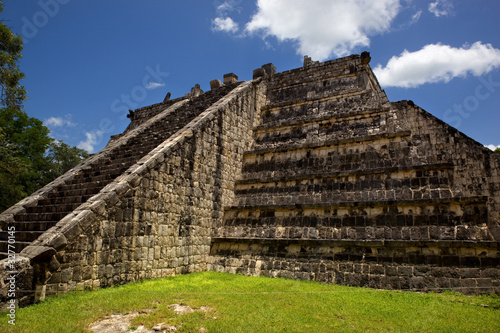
x: 27, y: 139
x: 11, y: 187
x: 13, y: 93
x: 497, y: 150
x: 29, y: 157
x: 60, y: 157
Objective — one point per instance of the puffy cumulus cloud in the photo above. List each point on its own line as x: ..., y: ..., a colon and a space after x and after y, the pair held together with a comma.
x: 92, y: 139
x: 437, y: 63
x: 492, y: 147
x: 224, y: 24
x: 441, y: 8
x: 59, y: 122
x: 322, y: 27
x: 154, y: 85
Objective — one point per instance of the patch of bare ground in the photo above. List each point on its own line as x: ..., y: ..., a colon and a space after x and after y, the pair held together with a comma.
x: 121, y: 323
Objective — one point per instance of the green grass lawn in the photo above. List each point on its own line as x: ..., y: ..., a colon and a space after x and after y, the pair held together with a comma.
x: 258, y: 304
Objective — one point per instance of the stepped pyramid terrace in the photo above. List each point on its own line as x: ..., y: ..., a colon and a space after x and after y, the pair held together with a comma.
x: 310, y: 174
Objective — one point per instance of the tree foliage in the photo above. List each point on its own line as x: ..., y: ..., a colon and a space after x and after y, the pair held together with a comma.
x: 497, y: 150
x: 60, y: 157
x: 11, y: 166
x: 12, y: 92
x: 29, y: 157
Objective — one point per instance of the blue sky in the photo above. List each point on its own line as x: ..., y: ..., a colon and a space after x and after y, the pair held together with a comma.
x: 88, y: 61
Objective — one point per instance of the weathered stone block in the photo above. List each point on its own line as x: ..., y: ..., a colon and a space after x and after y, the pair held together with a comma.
x: 259, y: 72
x: 270, y: 69
x: 214, y: 84
x: 230, y: 78
x: 38, y: 253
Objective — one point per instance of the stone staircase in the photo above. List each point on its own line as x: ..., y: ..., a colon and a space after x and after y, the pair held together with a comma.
x: 113, y: 162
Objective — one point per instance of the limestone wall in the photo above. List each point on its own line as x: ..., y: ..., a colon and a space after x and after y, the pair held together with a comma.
x: 415, y: 266
x: 156, y: 218
x: 476, y: 171
x: 344, y: 187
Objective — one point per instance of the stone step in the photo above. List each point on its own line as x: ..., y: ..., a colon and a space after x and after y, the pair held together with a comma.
x: 91, y: 184
x: 33, y: 225
x: 17, y: 247
x: 386, y: 232
x: 424, y: 170
x: 373, y: 152
x: 329, y: 69
x: 99, y: 180
x: 362, y: 186
x: 84, y: 192
x: 420, y: 215
x: 379, y: 138
x: 54, y: 217
x: 119, y: 165
x: 383, y: 203
x: 280, y: 80
x: 23, y: 236
x: 454, y: 218
x: 116, y: 162
x: 357, y: 102
x: 326, y: 130
x: 444, y: 253
x: 63, y: 200
x: 317, y: 88
x: 107, y: 170
x: 325, y: 117
x: 109, y: 177
x: 296, y: 196
x: 52, y: 208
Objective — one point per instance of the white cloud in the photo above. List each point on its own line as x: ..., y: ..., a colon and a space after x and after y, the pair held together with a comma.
x: 321, y: 27
x: 415, y: 17
x: 441, y: 8
x: 53, y: 122
x: 224, y: 7
x: 154, y: 85
x: 492, y: 147
x: 92, y: 139
x: 224, y: 24
x: 228, y: 6
x: 59, y: 121
x: 437, y: 63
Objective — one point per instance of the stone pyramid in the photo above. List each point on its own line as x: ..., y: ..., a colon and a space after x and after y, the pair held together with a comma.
x: 307, y: 174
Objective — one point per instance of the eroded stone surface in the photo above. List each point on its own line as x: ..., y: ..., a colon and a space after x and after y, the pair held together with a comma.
x: 121, y: 323
x: 181, y: 309
x: 117, y: 323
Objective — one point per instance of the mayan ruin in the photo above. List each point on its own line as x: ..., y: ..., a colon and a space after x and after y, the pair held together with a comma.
x: 310, y: 174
